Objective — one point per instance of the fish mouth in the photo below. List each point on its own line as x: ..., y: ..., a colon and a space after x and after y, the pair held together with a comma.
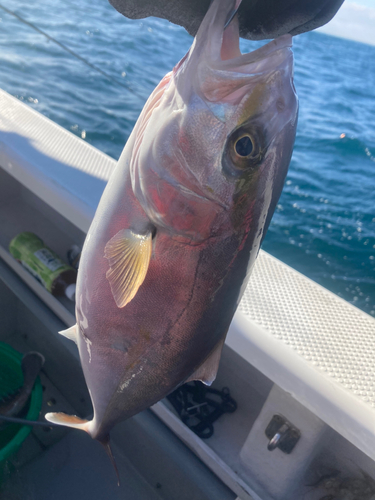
x: 218, y: 38
x: 271, y: 55
x: 215, y: 68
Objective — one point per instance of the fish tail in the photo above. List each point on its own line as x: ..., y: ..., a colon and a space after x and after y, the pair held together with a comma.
x: 105, y: 443
x: 69, y: 421
x: 85, y: 425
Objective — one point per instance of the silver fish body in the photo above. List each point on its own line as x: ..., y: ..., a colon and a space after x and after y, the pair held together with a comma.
x: 180, y: 223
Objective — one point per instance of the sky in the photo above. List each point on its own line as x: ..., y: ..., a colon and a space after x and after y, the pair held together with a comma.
x: 355, y: 20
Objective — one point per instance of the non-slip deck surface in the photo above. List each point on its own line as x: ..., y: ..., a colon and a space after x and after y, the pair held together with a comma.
x: 333, y: 336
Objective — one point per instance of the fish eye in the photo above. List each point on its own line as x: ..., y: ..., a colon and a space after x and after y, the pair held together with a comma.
x: 244, y: 146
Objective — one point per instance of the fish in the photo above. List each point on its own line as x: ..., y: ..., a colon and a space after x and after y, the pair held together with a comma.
x: 13, y: 405
x: 180, y: 223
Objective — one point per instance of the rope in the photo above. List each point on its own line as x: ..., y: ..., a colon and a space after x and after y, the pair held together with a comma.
x: 24, y: 421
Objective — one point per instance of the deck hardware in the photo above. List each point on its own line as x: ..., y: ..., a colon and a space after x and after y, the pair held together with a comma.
x: 196, y: 406
x: 200, y: 406
x: 281, y: 434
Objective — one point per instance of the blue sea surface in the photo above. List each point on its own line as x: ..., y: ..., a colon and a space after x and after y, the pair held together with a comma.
x: 324, y: 225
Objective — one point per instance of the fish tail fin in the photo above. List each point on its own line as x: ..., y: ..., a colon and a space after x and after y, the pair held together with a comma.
x: 78, y: 423
x: 107, y: 447
x: 68, y: 420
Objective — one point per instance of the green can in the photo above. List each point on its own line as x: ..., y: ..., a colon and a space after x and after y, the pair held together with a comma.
x: 44, y: 264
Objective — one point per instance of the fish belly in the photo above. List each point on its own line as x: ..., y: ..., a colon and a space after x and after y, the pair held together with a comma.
x: 134, y: 356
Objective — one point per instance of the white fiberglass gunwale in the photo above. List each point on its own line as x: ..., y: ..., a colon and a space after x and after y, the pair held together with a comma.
x: 305, y: 339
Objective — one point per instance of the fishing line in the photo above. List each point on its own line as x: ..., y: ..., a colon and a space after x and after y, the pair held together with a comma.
x: 24, y: 421
x: 64, y: 47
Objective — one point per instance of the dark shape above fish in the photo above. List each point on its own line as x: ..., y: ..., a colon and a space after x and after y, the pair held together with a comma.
x: 259, y: 19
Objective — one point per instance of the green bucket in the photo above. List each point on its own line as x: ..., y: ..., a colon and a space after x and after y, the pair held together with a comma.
x: 11, y: 378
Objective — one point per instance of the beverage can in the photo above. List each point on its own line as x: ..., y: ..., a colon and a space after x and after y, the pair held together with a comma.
x: 42, y: 262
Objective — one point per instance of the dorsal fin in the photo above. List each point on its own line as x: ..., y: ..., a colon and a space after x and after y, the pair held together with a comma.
x: 70, y: 333
x: 206, y: 373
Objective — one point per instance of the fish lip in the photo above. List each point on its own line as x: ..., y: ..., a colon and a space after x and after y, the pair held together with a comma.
x: 216, y: 48
x: 227, y: 35
x: 282, y: 43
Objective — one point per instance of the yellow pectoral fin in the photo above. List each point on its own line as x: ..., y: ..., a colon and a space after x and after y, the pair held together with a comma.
x: 128, y: 256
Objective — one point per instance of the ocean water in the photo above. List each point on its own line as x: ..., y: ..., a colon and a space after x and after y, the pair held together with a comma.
x: 324, y: 225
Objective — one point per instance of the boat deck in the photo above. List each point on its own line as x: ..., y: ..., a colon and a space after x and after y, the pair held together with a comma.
x: 59, y: 463
x: 287, y: 331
